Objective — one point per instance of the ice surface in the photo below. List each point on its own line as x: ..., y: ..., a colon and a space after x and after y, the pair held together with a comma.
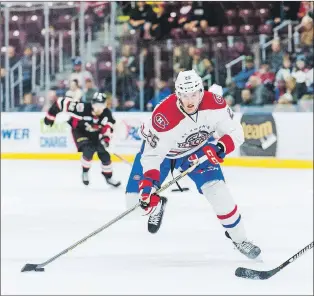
x: 45, y: 208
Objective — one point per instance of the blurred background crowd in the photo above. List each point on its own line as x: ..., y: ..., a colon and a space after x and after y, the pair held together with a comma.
x: 261, y: 53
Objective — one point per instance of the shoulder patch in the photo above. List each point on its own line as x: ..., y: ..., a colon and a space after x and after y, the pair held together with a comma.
x: 160, y: 120
x: 218, y: 99
x: 166, y: 115
x: 212, y: 101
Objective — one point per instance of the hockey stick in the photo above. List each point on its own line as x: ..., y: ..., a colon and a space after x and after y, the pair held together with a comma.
x: 264, y: 275
x: 130, y: 164
x: 122, y: 159
x: 40, y: 267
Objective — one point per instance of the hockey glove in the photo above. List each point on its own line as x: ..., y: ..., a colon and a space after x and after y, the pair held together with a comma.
x: 48, y: 120
x: 214, y: 153
x: 148, y: 198
x: 104, y: 140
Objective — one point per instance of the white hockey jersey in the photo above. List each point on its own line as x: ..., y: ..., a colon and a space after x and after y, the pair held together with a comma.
x: 171, y: 133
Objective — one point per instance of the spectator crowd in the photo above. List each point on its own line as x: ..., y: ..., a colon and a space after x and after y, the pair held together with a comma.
x: 283, y: 78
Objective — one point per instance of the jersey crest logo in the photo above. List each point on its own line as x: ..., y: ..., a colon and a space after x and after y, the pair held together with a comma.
x: 195, y: 139
x: 161, y: 121
x: 218, y: 99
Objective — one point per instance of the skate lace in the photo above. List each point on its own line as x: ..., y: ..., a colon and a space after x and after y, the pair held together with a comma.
x: 246, y: 246
x: 154, y: 219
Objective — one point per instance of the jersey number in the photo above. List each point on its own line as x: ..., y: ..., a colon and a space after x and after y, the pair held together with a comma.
x: 78, y: 106
x: 152, y: 139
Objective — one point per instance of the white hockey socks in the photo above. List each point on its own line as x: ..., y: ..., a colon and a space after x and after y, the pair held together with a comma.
x: 218, y: 195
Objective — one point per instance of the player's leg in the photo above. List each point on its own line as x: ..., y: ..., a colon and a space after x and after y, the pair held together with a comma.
x: 132, y: 191
x: 106, y: 167
x: 210, y: 182
x: 84, y: 145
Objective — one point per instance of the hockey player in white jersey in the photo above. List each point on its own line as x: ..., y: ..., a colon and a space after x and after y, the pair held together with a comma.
x: 179, y: 131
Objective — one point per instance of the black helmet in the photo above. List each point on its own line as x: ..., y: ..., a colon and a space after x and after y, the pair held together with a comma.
x: 99, y: 97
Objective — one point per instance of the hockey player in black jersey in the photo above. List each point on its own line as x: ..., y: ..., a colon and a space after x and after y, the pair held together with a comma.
x: 92, y: 128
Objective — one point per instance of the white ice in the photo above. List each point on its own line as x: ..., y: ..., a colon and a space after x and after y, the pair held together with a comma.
x: 45, y: 208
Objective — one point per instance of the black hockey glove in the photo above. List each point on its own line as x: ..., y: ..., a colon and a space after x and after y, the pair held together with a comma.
x: 48, y: 121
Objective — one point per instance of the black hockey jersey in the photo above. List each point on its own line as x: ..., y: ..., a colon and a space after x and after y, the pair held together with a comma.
x: 81, y: 116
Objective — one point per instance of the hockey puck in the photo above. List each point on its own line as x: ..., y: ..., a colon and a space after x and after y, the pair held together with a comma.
x: 178, y: 190
x: 40, y: 269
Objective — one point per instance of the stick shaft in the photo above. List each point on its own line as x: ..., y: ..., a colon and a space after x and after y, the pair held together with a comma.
x: 164, y: 187
x: 121, y: 158
x: 297, y: 255
x: 90, y: 235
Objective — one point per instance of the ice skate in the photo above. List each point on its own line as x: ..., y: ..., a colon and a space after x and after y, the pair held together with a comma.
x: 85, y: 178
x: 247, y: 248
x: 155, y: 219
x: 111, y: 181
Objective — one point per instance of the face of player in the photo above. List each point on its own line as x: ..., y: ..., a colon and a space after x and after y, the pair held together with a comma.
x: 190, y: 101
x: 98, y: 108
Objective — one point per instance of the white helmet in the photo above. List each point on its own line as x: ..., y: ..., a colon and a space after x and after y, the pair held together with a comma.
x: 187, y: 82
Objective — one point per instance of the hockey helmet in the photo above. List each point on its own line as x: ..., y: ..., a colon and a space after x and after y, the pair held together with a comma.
x: 99, y: 98
x: 188, y: 82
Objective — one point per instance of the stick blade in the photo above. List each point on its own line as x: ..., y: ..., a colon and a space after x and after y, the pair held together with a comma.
x: 32, y: 267
x: 253, y: 274
x: 178, y: 190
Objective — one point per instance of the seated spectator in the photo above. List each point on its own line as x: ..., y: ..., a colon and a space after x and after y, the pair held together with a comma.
x: 306, y: 8
x: 261, y: 95
x: 89, y: 91
x: 13, y: 59
x: 26, y: 61
x: 148, y: 56
x: 182, y: 60
x: 291, y: 96
x: 163, y: 92
x: 264, y: 73
x: 61, y: 89
x: 275, y: 58
x: 200, y: 65
x: 78, y: 74
x: 148, y: 94
x: 231, y: 90
x: 126, y: 89
x: 75, y: 92
x: 300, y: 74
x: 183, y: 18
x: 208, y: 75
x: 246, y: 97
x: 127, y: 62
x: 300, y: 70
x: 28, y: 105
x: 198, y: 17
x: 161, y: 23
x: 242, y: 77
x: 307, y: 33
x: 141, y: 17
x: 285, y: 71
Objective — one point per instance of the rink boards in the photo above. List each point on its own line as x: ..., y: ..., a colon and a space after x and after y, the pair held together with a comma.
x: 278, y: 140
